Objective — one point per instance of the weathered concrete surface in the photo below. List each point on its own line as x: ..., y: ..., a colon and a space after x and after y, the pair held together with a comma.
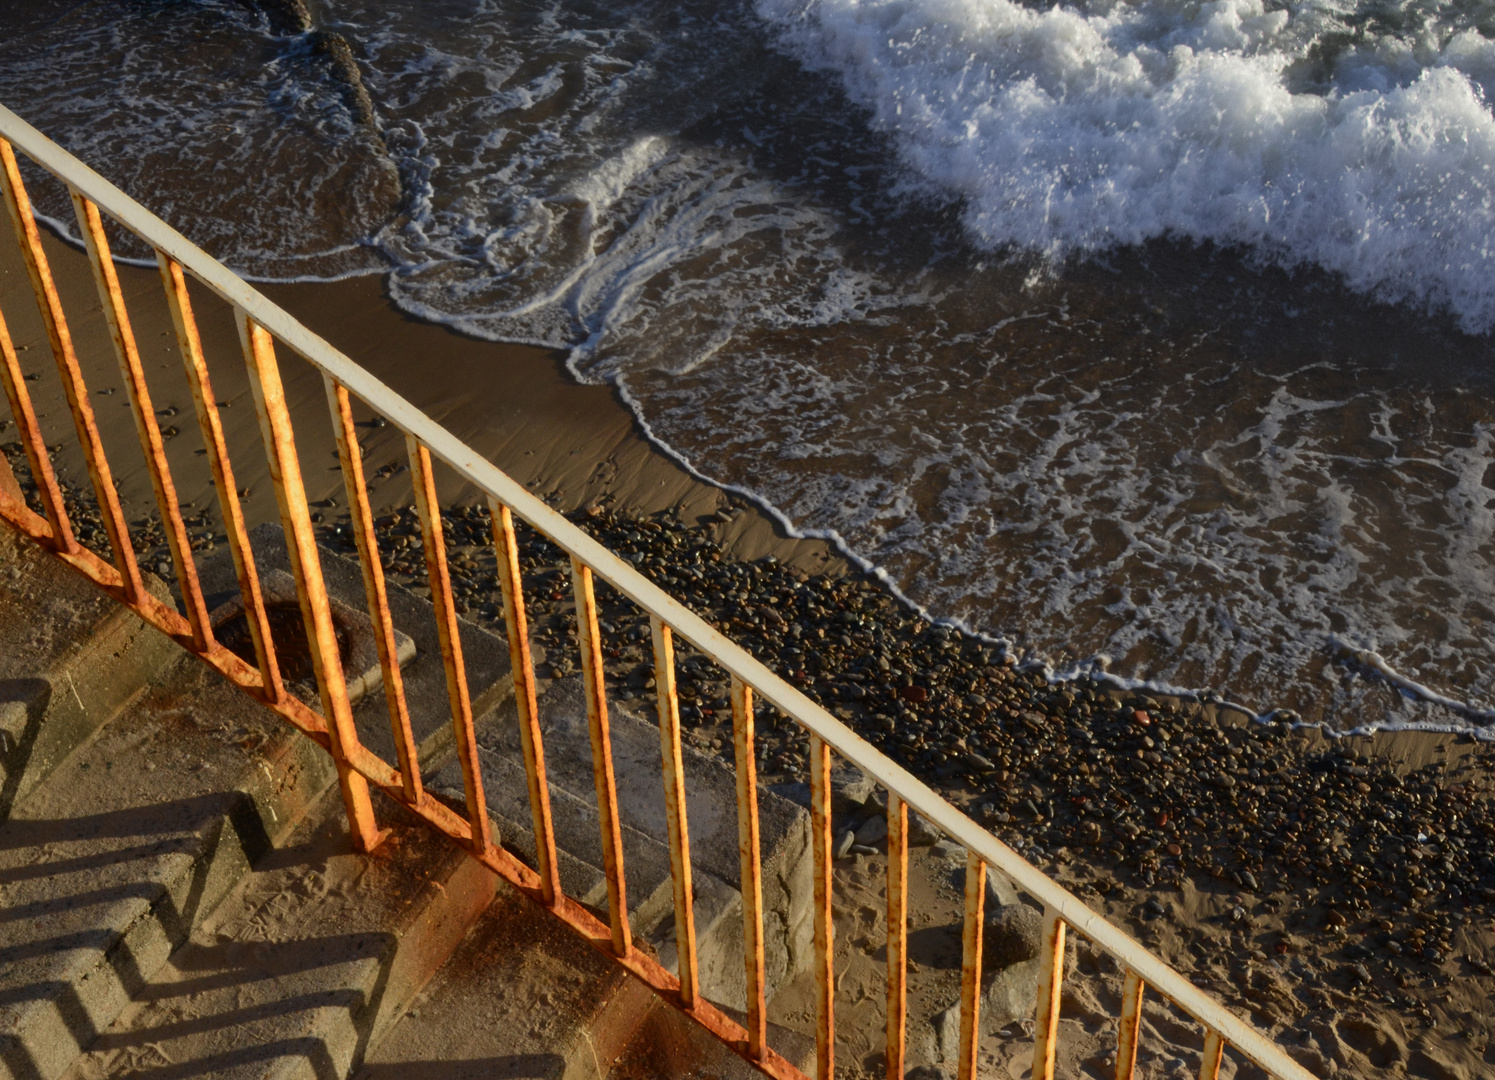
x: 711, y: 805
x: 362, y: 672
x: 135, y: 837
x: 578, y: 838
x: 667, y: 1046
x: 130, y: 831
x: 487, y: 655
x: 522, y: 997
x: 69, y: 658
x: 316, y: 952
x: 308, y: 962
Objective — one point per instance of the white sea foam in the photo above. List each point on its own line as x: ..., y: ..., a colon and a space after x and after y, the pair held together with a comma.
x: 1080, y: 127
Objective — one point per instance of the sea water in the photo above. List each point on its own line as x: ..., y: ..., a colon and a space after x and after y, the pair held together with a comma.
x: 1146, y: 337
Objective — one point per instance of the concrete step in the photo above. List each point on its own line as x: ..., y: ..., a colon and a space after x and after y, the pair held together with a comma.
x: 486, y: 654
x: 667, y: 1046
x: 711, y: 803
x: 362, y: 672
x: 523, y: 997
x: 70, y: 657
x: 316, y: 950
x: 109, y: 865
x: 132, y: 841
x: 315, y: 954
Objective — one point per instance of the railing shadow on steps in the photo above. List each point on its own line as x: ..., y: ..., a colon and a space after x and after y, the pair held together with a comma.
x: 261, y: 327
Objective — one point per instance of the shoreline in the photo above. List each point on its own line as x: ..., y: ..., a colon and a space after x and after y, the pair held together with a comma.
x: 988, y: 735
x: 573, y: 445
x: 518, y: 405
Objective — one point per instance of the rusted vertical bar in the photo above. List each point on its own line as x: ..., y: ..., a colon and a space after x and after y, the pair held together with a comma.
x: 306, y: 566
x: 970, y: 966
x: 206, y: 406
x: 1050, y: 984
x: 825, y: 972
x: 1214, y: 1052
x: 594, y: 679
x: 517, y: 623
x: 34, y: 444
x: 674, y: 807
x: 351, y: 458
x: 449, y: 633
x: 897, y: 936
x: 50, y: 304
x: 151, y: 444
x: 1131, y: 1025
x: 743, y: 738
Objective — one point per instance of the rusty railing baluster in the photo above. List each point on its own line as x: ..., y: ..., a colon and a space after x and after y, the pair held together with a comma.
x: 749, y: 854
x: 34, y: 444
x: 897, y: 936
x: 825, y: 928
x: 1131, y: 1025
x: 1050, y: 985
x: 517, y: 623
x: 50, y: 305
x: 350, y: 457
x: 450, y: 634
x: 1214, y: 1052
x: 189, y: 341
x: 306, y: 566
x: 152, y: 445
x: 595, y: 679
x: 674, y: 806
x: 970, y: 966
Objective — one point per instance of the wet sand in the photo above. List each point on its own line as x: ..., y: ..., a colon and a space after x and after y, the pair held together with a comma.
x: 573, y: 445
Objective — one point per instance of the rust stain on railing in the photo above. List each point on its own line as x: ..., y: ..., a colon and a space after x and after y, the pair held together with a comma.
x: 350, y: 459
x: 60, y: 531
x: 675, y: 815
x: 151, y: 443
x: 306, y: 568
x: 517, y: 624
x: 1131, y: 1025
x: 179, y: 302
x: 50, y: 305
x: 749, y: 854
x: 897, y: 1016
x: 261, y: 324
x: 970, y: 966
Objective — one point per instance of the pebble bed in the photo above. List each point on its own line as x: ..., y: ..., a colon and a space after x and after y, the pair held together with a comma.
x: 1365, y: 872
x: 1123, y: 796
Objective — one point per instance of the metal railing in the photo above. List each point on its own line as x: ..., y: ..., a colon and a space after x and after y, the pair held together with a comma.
x: 261, y: 326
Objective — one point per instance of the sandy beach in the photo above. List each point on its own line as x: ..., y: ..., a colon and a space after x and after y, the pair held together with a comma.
x: 1335, y: 890
x: 575, y: 445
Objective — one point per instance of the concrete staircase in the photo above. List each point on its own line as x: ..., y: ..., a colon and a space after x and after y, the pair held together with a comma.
x: 70, y: 658
x: 178, y: 897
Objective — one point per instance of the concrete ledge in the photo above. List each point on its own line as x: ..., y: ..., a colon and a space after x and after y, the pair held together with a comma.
x: 522, y: 996
x: 486, y: 654
x: 711, y: 806
x: 667, y: 1046
x: 70, y: 657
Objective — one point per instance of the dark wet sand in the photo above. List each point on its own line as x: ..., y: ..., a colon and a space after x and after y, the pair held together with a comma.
x: 515, y: 404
